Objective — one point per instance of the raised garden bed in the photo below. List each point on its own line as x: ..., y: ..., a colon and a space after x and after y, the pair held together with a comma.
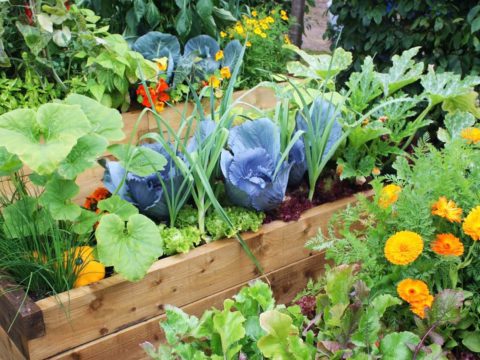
x: 110, y: 318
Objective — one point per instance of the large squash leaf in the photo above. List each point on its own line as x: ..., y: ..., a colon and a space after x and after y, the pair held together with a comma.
x: 105, y: 121
x: 44, y: 138
x: 57, y: 198
x: 131, y: 247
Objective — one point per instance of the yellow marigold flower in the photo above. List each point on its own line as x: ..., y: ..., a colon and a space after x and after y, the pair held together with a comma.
x: 162, y: 63
x: 283, y: 15
x: 269, y: 19
x: 219, y: 55
x: 418, y: 308
x: 471, y: 224
x: 413, y: 291
x: 239, y: 29
x: 403, y: 248
x: 223, y: 34
x: 248, y: 44
x: 257, y: 31
x: 286, y: 39
x: 447, y: 245
x: 389, y: 195
x: 225, y: 72
x: 264, y: 26
x: 471, y: 134
x: 254, y: 13
x: 263, y: 35
x: 214, y: 81
x: 447, y: 209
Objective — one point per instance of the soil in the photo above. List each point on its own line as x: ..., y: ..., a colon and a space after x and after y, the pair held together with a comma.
x: 328, y: 189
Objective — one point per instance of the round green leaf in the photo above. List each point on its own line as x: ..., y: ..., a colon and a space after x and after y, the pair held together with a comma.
x: 130, y: 247
x: 394, y: 346
x: 44, y: 138
x: 57, y: 198
x: 105, y: 121
x: 9, y: 163
x: 83, y: 155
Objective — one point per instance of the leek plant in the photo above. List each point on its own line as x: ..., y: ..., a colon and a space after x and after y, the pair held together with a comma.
x: 196, y: 147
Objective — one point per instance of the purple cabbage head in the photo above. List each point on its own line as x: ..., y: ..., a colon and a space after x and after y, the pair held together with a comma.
x: 146, y: 193
x: 249, y: 166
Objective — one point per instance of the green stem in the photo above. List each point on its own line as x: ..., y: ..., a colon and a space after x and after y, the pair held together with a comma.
x: 418, y: 119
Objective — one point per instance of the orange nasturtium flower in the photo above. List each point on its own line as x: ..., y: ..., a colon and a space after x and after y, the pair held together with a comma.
x: 471, y: 134
x: 416, y: 293
x: 389, y: 195
x: 225, y: 72
x: 447, y: 245
x: 447, y: 209
x: 471, y: 224
x: 84, y: 265
x: 94, y: 198
x: 403, y: 248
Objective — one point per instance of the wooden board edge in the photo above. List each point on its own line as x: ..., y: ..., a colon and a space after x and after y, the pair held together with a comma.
x: 286, y: 282
x: 21, y: 318
x: 115, y: 280
x: 8, y: 349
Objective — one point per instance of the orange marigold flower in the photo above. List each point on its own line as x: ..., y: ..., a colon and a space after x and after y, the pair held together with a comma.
x: 447, y: 209
x: 375, y: 171
x: 447, y: 245
x: 403, y: 247
x: 471, y: 134
x: 389, y: 195
x: 418, y: 308
x: 413, y: 291
x: 471, y: 224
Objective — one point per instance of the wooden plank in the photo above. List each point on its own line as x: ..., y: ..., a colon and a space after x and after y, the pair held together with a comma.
x: 113, y: 303
x: 8, y: 350
x: 124, y: 344
x: 20, y: 316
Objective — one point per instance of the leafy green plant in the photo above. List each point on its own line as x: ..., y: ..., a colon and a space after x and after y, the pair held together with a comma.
x: 249, y: 319
x: 264, y: 32
x: 432, y: 178
x: 448, y: 31
x: 41, y: 228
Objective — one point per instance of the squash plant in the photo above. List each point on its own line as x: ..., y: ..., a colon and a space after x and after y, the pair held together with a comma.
x: 58, y: 142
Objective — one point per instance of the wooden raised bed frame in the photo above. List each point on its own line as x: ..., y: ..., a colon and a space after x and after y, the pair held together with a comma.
x: 109, y: 319
x: 113, y: 316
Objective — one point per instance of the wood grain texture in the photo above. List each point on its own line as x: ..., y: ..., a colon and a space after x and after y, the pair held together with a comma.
x: 20, y: 316
x: 286, y: 283
x: 112, y: 304
x: 8, y: 350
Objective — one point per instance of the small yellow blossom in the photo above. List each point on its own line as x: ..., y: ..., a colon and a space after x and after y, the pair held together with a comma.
x: 162, y: 63
x: 223, y: 34
x: 283, y: 15
x: 225, y: 72
x: 286, y: 39
x: 471, y: 134
x: 248, y: 44
x: 269, y: 19
x: 219, y: 55
x: 254, y: 13
x: 214, y: 81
